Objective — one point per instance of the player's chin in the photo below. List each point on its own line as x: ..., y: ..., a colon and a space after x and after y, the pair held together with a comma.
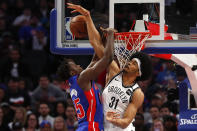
x: 126, y: 69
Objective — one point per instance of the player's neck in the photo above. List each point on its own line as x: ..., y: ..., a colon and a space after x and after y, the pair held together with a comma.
x: 128, y: 79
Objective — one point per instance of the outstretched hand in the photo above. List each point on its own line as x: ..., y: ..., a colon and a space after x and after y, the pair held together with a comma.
x: 112, y: 116
x: 78, y: 8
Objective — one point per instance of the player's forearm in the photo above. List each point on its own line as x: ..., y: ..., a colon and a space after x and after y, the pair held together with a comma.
x: 109, y: 49
x: 94, y: 37
x: 122, y: 123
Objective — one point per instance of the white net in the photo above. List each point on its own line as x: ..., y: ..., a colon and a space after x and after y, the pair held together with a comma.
x: 128, y: 43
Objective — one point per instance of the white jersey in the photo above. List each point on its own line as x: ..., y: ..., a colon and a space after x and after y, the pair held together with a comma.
x: 116, y: 98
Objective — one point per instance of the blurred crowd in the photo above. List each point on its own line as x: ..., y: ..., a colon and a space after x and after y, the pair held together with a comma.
x: 32, y: 98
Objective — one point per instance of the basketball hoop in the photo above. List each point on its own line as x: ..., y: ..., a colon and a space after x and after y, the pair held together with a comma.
x: 127, y: 43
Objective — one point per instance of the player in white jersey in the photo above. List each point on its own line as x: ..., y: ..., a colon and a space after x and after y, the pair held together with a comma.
x: 116, y: 98
x: 122, y: 96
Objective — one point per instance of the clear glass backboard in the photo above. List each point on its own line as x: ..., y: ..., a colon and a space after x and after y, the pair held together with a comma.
x: 173, y: 24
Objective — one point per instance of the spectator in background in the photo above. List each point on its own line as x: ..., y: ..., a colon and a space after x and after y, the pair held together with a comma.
x: 3, y: 124
x: 39, y: 39
x: 46, y: 92
x: 154, y: 112
x: 17, y: 8
x: 164, y: 110
x: 173, y: 96
x: 45, y: 126
x: 13, y: 66
x: 43, y: 12
x: 59, y: 124
x: 7, y: 112
x: 2, y: 93
x: 162, y: 91
x: 15, y: 97
x: 61, y: 84
x: 17, y: 126
x: 182, y: 76
x: 157, y: 66
x: 44, y: 113
x: 71, y: 119
x: 3, y: 26
x: 24, y: 86
x: 158, y: 125
x: 69, y: 100
x: 139, y: 122
x: 31, y: 123
x: 167, y: 74
x: 60, y: 109
x: 170, y: 123
x: 20, y: 116
x: 156, y: 100
x: 3, y: 6
x: 6, y: 42
x: 23, y: 18
x: 27, y: 31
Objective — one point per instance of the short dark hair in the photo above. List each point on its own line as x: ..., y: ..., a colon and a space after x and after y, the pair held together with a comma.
x: 43, y: 103
x: 63, y: 71
x: 140, y: 115
x: 146, y: 65
x: 28, y: 116
x: 165, y: 105
x: 44, y: 75
x: 169, y: 118
x: 154, y: 106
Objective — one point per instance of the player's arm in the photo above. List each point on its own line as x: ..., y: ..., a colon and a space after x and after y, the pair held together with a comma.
x: 95, y: 39
x: 129, y: 114
x: 93, y: 61
x: 94, y: 36
x: 92, y: 73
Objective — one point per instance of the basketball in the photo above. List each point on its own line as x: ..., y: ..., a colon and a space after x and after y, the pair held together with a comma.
x: 78, y: 27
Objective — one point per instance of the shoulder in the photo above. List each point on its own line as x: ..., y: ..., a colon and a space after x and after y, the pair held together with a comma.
x: 138, y: 97
x: 138, y: 92
x: 54, y: 88
x: 38, y: 89
x: 135, y: 87
x: 117, y: 77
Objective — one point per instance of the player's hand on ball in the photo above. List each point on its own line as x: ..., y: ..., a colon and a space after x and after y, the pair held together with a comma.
x: 112, y: 116
x: 78, y: 8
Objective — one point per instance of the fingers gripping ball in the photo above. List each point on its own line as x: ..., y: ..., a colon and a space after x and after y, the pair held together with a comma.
x: 78, y: 27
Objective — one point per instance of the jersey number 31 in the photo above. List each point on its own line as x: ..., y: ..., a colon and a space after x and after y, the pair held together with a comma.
x: 113, y: 103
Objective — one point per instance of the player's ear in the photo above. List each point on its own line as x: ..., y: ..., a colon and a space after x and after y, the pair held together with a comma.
x: 137, y: 73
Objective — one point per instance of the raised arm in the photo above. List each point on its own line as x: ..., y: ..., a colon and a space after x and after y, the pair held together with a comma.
x: 92, y: 73
x: 94, y: 36
x: 95, y: 39
x: 93, y: 61
x: 129, y: 114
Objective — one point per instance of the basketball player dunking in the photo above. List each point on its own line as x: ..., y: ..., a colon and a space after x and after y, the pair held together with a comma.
x: 84, y: 93
x: 122, y: 96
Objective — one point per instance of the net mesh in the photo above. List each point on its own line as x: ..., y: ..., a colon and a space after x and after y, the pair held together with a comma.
x: 127, y: 43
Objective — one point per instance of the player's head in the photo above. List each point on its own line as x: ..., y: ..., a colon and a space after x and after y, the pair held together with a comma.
x: 141, y: 63
x: 67, y: 69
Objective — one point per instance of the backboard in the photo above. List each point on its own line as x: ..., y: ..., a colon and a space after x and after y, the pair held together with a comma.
x: 175, y: 29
